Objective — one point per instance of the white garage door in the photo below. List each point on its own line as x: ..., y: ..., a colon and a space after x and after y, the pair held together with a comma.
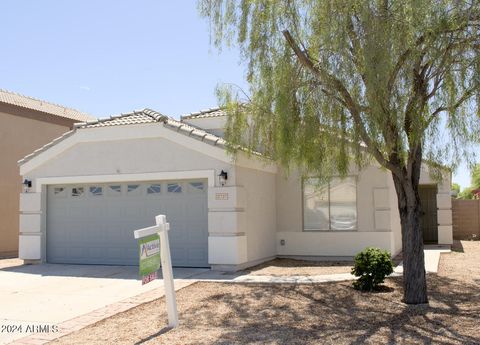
x: 94, y: 223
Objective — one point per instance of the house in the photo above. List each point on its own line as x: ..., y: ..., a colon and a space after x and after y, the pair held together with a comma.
x: 476, y: 193
x: 25, y: 124
x: 97, y: 183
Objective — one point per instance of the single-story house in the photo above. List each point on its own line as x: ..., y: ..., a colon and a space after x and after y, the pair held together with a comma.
x: 92, y: 187
x: 25, y: 124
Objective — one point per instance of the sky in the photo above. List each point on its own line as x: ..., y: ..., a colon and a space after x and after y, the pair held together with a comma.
x: 107, y: 57
x: 110, y: 57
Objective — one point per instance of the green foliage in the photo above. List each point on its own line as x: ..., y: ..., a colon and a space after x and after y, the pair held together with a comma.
x: 456, y: 188
x: 326, y: 75
x: 476, y: 176
x: 372, y: 265
x: 466, y: 193
x: 333, y: 84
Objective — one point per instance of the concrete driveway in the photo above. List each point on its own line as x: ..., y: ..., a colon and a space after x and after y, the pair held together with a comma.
x: 48, y: 294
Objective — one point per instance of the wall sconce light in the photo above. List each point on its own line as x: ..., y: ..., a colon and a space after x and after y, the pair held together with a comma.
x: 222, y: 178
x: 27, y: 184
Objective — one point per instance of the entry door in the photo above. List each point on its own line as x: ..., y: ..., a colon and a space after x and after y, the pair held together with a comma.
x: 428, y: 200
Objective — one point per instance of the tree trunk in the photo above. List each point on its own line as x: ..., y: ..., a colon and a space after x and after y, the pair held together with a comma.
x: 414, y: 276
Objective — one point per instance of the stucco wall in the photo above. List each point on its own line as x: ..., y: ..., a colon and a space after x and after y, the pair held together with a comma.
x: 395, y: 218
x: 377, y: 212
x: 142, y: 150
x: 260, y: 212
x: 290, y: 199
x: 214, y: 125
x: 127, y: 157
x: 19, y: 136
x: 373, y: 218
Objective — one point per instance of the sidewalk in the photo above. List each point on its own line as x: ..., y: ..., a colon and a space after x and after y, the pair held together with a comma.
x: 432, y: 258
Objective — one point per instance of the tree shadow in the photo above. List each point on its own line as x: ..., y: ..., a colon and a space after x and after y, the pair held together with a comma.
x: 336, y: 313
x: 94, y: 271
x: 285, y: 262
x: 457, y: 247
x: 153, y: 336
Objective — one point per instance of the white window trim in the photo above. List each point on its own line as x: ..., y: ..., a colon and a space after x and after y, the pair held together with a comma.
x: 355, y: 177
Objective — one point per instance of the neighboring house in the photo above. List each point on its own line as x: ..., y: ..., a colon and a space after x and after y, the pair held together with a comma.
x: 25, y: 125
x: 98, y: 183
x: 476, y: 193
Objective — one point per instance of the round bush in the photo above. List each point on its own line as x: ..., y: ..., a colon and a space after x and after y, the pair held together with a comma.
x: 372, y: 265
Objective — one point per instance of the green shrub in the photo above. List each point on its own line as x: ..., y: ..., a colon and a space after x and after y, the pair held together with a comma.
x: 372, y: 265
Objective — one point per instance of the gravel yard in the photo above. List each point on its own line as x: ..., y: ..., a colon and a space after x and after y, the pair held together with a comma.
x: 329, y: 313
x: 290, y: 267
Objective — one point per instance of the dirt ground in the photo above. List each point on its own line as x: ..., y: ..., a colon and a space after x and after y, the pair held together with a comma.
x: 5, y: 263
x: 290, y: 267
x: 330, y: 313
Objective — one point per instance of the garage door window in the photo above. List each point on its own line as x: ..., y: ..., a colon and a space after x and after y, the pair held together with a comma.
x: 77, y: 191
x: 133, y: 189
x: 59, y: 192
x: 174, y: 188
x: 96, y: 191
x: 196, y: 187
x: 115, y: 190
x: 154, y: 189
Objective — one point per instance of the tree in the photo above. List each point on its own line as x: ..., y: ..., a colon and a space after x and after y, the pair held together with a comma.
x: 456, y: 189
x: 476, y: 176
x: 468, y: 192
x: 338, y: 82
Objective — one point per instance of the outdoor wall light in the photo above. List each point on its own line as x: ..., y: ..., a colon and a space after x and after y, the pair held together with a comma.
x: 223, y: 177
x: 27, y: 184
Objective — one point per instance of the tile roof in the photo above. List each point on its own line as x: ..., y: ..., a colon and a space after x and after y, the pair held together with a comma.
x: 46, y: 107
x: 133, y: 118
x: 212, y: 112
x: 151, y: 116
x: 137, y: 117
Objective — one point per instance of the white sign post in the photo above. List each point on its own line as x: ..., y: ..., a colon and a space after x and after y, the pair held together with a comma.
x: 162, y: 229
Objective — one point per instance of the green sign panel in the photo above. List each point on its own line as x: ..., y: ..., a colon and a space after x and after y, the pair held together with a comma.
x: 149, y: 254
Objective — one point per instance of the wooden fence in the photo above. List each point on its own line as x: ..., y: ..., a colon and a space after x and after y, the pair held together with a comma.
x: 466, y: 219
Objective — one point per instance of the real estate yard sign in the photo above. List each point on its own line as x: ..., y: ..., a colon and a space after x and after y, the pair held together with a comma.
x: 149, y: 254
x: 150, y: 240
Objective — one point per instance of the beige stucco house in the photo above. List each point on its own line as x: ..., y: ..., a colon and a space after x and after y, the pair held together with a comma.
x: 25, y: 125
x: 96, y: 184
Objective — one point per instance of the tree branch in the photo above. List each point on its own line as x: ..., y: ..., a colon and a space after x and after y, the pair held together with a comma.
x: 327, y: 79
x: 465, y: 96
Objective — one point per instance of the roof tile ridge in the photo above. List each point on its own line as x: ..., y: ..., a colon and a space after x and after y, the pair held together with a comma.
x: 44, y: 101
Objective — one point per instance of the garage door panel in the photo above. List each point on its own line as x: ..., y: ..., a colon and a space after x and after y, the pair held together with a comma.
x: 97, y: 226
x: 179, y: 256
x: 197, y: 255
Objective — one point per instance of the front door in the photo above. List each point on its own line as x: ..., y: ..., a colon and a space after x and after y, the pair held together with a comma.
x: 428, y: 201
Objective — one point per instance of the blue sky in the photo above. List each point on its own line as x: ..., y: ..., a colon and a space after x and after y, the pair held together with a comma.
x: 107, y: 57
